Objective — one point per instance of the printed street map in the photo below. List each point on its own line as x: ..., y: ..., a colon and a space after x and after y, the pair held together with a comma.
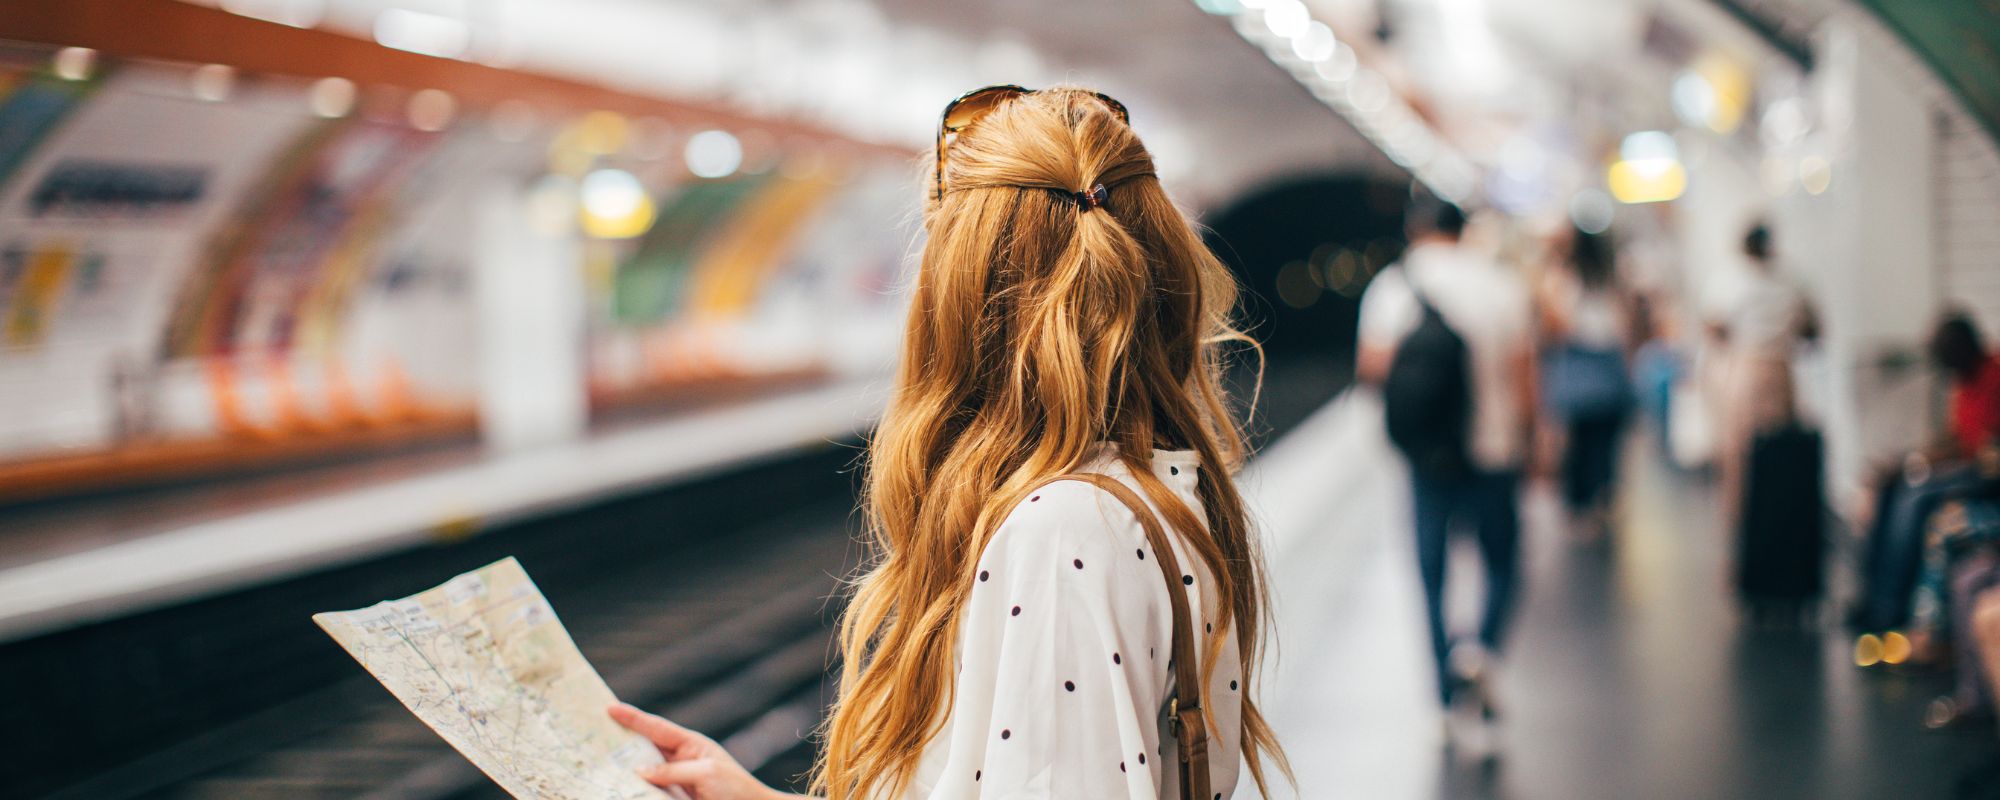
x: 484, y: 662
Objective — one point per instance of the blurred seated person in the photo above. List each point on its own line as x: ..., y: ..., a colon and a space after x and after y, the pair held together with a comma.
x: 1960, y: 568
x: 1910, y: 495
x: 1975, y: 383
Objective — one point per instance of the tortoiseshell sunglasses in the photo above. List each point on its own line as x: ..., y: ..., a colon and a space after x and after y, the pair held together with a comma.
x: 969, y: 107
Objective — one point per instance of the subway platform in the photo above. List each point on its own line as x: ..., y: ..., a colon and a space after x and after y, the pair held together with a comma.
x: 1629, y: 672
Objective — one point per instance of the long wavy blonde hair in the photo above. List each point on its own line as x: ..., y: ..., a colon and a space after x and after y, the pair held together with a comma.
x: 1037, y: 329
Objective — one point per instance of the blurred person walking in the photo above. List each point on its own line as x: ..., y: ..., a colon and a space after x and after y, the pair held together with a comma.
x: 1761, y: 330
x: 1446, y: 334
x: 1771, y: 464
x: 1065, y: 597
x: 1588, y: 389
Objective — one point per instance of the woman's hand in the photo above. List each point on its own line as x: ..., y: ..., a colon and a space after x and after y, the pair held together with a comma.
x: 695, y: 763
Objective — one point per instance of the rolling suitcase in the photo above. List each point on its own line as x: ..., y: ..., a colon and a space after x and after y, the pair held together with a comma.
x: 1781, y: 544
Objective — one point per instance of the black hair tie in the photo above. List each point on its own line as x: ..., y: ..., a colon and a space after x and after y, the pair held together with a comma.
x: 1093, y: 198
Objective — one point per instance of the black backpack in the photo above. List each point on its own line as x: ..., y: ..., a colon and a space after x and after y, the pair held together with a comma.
x: 1427, y: 396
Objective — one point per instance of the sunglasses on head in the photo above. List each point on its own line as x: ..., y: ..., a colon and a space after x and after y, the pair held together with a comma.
x: 970, y: 107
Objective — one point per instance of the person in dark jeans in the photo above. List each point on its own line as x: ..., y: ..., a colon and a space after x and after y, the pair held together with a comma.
x: 1588, y: 386
x: 1488, y: 307
x: 1484, y: 502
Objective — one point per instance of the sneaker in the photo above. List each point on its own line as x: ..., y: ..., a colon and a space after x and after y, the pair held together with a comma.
x: 1485, y: 691
x: 1473, y: 666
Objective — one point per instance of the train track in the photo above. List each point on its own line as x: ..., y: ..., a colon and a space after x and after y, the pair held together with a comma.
x: 711, y: 603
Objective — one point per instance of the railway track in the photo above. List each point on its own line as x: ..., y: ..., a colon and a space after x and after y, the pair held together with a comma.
x: 711, y: 603
x: 719, y: 649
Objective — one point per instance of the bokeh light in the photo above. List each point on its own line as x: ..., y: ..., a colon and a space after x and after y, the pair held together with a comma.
x: 615, y: 205
x: 331, y: 97
x: 713, y: 154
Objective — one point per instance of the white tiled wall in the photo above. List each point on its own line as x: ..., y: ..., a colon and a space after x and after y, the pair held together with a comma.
x: 1967, y: 198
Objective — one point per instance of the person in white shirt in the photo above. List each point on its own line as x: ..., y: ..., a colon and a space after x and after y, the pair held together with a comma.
x: 1489, y: 308
x: 1761, y: 327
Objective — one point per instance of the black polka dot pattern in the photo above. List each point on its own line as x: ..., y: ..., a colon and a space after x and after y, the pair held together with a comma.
x: 1031, y: 593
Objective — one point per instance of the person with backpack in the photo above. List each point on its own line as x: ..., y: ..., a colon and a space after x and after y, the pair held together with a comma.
x: 1446, y: 334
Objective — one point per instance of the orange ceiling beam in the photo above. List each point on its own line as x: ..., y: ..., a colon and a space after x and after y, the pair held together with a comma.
x: 176, y: 31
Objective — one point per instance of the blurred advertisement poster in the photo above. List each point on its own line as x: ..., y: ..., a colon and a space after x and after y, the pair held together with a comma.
x: 108, y: 190
x: 121, y: 192
x: 320, y: 207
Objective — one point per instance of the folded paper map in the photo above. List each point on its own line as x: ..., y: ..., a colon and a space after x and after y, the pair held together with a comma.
x: 484, y: 662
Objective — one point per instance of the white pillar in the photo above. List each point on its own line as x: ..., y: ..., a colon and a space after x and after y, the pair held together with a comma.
x: 529, y: 289
x: 1867, y: 252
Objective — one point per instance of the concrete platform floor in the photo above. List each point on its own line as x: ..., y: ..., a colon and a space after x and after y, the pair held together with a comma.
x: 1630, y: 673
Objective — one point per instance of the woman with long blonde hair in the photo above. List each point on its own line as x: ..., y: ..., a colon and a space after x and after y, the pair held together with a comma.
x: 1057, y: 451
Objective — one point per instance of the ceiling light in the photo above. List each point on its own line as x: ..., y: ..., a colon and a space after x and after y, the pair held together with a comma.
x: 331, y: 97
x: 1784, y: 123
x: 431, y: 110
x: 1286, y: 18
x: 1815, y: 174
x: 422, y: 32
x: 1368, y: 92
x: 1591, y: 211
x: 75, y: 63
x: 615, y: 205
x: 1339, y: 65
x: 1648, y: 169
x: 1316, y: 44
x: 713, y: 154
x: 1693, y: 98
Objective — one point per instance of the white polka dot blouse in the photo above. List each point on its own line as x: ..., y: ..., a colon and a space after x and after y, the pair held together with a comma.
x: 1064, y: 655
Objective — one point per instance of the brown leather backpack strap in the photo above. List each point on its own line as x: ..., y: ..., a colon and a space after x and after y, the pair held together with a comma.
x: 1190, y: 729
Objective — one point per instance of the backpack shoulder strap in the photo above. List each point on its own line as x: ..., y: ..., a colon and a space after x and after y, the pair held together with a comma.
x: 1189, y: 728
x: 1423, y: 300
